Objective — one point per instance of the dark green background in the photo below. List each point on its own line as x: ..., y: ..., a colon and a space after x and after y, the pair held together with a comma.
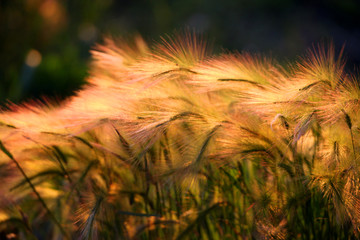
x: 64, y: 32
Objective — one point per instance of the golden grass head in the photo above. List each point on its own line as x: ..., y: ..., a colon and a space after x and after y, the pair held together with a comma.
x: 171, y: 111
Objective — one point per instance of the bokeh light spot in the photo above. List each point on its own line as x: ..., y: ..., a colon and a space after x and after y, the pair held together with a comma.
x: 87, y: 32
x: 33, y: 58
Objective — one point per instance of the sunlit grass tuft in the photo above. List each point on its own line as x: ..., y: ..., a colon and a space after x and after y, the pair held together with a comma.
x: 169, y: 141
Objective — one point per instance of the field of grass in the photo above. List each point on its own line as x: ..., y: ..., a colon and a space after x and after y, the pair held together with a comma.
x: 171, y: 142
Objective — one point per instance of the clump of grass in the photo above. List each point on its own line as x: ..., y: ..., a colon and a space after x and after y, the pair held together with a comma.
x: 169, y: 141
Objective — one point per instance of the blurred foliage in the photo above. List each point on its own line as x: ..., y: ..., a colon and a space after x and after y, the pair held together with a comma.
x: 62, y: 33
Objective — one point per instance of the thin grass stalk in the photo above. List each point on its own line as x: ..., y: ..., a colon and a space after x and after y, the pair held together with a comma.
x: 60, y: 158
x: 62, y: 230
x: 147, y: 181
x: 349, y: 124
x: 159, y: 203
x: 87, y: 232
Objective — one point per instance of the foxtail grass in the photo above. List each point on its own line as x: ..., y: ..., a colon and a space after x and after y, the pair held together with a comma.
x: 170, y: 141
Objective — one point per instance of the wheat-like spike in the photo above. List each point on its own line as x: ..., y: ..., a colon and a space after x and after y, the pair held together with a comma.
x: 169, y: 113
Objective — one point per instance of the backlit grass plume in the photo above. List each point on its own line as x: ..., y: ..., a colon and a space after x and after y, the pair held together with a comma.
x: 169, y: 141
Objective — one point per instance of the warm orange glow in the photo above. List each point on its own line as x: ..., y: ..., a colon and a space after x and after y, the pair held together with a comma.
x: 53, y: 13
x: 33, y: 58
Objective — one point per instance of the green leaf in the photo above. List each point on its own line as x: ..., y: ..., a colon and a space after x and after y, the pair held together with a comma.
x: 200, y: 218
x: 46, y: 173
